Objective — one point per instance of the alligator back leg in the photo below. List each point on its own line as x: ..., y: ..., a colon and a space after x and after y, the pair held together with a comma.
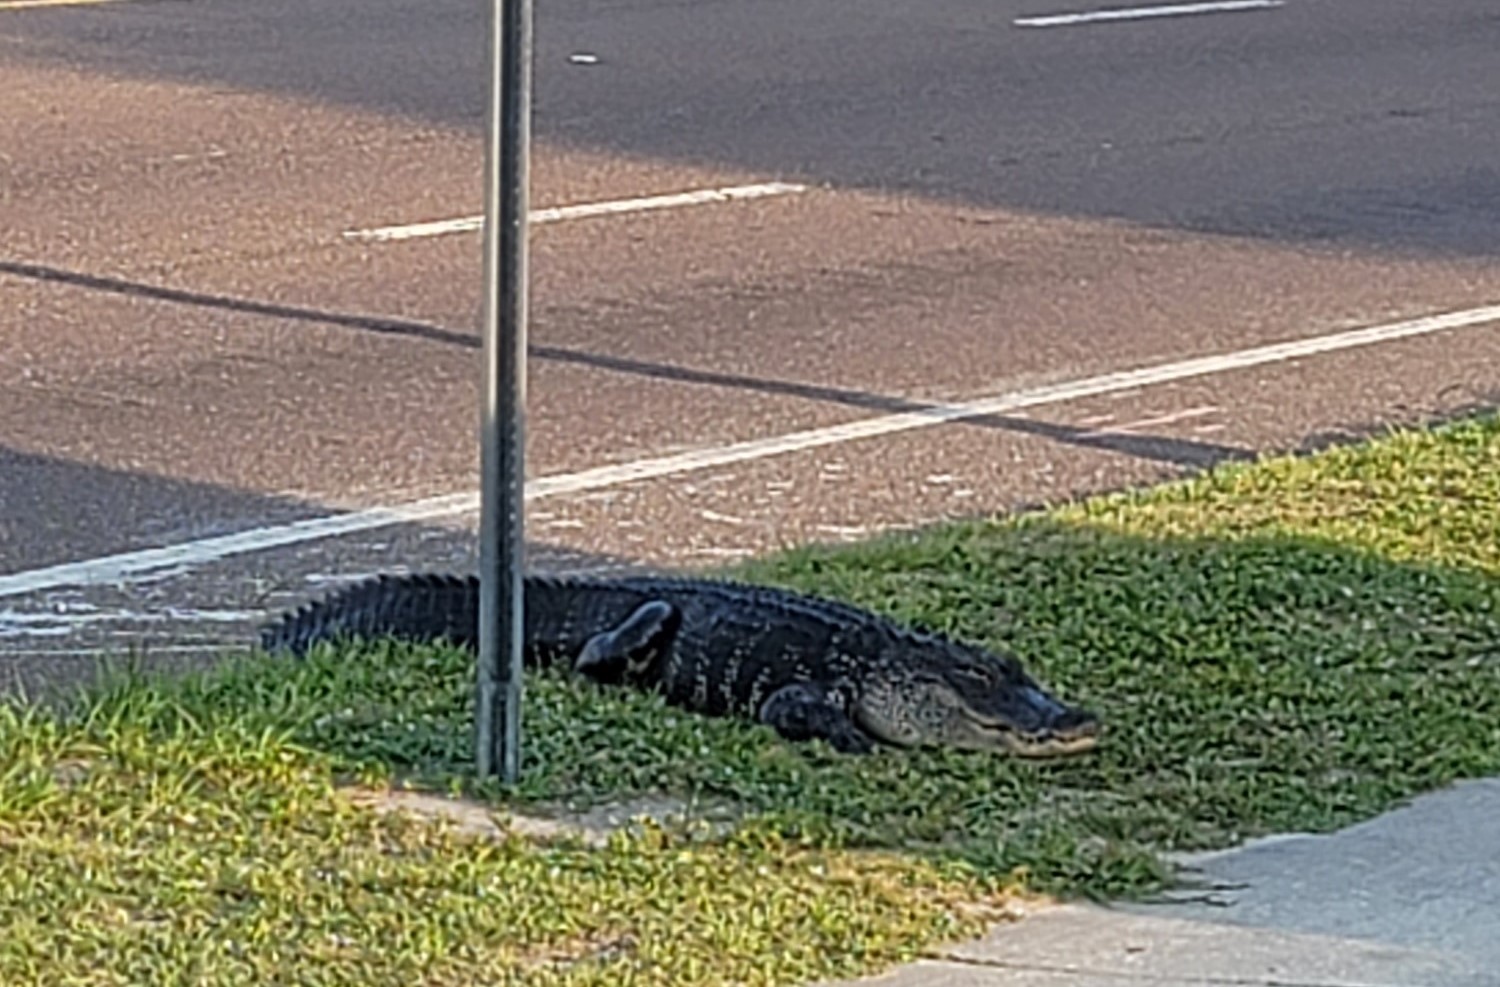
x: 808, y: 711
x: 632, y: 648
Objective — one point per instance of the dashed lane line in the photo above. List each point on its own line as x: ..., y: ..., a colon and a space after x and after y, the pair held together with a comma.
x: 33, y: 4
x: 584, y: 210
x: 1145, y: 13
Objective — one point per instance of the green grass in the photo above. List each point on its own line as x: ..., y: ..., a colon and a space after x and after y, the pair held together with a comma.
x: 1294, y: 644
x: 214, y: 853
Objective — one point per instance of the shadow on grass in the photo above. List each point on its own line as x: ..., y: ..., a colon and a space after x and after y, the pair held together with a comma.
x: 1446, y: 408
x: 1251, y: 684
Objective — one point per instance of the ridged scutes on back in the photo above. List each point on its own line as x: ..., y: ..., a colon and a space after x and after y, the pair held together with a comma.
x: 430, y: 606
x: 786, y: 603
x: 421, y: 606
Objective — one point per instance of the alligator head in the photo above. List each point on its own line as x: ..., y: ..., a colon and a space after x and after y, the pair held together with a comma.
x: 973, y: 700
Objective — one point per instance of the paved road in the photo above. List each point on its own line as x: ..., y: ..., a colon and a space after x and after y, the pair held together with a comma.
x: 194, y: 346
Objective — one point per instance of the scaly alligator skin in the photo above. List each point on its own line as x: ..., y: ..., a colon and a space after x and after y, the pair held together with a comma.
x: 806, y: 666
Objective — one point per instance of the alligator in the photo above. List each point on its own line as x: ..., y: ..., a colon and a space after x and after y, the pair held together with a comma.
x: 808, y: 667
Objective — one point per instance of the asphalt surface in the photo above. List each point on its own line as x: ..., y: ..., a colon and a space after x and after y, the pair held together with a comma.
x: 193, y: 347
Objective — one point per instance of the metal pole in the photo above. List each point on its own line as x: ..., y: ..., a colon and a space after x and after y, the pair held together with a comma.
x: 502, y: 429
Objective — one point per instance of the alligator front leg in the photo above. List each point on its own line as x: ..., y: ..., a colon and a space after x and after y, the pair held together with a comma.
x: 629, y: 649
x: 807, y: 711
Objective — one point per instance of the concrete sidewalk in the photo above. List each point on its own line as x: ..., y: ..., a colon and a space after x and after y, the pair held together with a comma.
x: 1410, y: 899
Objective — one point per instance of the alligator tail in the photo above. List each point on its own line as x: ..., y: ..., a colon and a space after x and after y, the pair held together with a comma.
x: 422, y: 607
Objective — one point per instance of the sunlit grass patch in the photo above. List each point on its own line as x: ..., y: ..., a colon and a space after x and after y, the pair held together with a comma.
x: 207, y: 853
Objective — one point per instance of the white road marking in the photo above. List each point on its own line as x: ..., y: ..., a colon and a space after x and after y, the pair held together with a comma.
x: 112, y: 652
x: 28, y: 4
x: 1131, y: 427
x: 16, y: 623
x: 343, y: 578
x: 212, y: 154
x: 133, y: 566
x: 585, y: 210
x: 1141, y: 13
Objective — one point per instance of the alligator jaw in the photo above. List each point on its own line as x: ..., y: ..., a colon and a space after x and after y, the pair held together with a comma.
x: 1079, y: 741
x: 1074, y: 733
x: 1066, y: 730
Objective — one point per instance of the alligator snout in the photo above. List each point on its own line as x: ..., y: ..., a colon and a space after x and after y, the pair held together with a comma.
x: 1037, y: 710
x: 1074, y: 723
x: 1068, y: 731
x: 1042, y: 726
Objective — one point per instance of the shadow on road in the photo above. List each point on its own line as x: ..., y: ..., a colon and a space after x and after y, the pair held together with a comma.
x: 54, y: 510
x: 1167, y: 449
x: 57, y: 627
